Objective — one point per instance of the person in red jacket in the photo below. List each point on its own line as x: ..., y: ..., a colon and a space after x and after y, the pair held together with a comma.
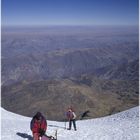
x: 38, y: 126
x: 71, y: 118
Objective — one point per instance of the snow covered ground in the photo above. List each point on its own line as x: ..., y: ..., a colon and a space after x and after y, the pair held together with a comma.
x: 121, y: 126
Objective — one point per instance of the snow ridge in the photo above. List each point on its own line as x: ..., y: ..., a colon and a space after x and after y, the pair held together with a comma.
x: 121, y: 126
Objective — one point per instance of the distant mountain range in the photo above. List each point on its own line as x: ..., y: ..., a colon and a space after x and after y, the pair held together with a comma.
x: 93, y: 69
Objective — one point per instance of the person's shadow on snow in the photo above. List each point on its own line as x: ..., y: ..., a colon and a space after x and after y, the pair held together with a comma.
x: 24, y: 135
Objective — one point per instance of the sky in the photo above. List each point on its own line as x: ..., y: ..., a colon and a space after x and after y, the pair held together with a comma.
x: 69, y: 12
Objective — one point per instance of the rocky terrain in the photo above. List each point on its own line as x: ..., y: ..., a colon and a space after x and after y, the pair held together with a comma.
x: 90, y: 68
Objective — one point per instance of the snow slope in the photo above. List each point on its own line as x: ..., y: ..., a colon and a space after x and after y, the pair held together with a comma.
x: 121, y: 126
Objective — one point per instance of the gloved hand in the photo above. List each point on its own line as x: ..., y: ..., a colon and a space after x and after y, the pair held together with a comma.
x: 41, y: 132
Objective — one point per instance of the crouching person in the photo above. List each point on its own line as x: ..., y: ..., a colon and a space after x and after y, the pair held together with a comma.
x: 38, y: 126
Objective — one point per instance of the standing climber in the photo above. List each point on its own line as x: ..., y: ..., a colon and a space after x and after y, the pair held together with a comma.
x: 71, y: 116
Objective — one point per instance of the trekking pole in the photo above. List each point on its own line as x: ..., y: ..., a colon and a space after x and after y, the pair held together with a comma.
x: 56, y: 134
x: 65, y: 124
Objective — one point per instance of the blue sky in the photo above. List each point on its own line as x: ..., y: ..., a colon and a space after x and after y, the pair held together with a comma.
x: 69, y: 12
